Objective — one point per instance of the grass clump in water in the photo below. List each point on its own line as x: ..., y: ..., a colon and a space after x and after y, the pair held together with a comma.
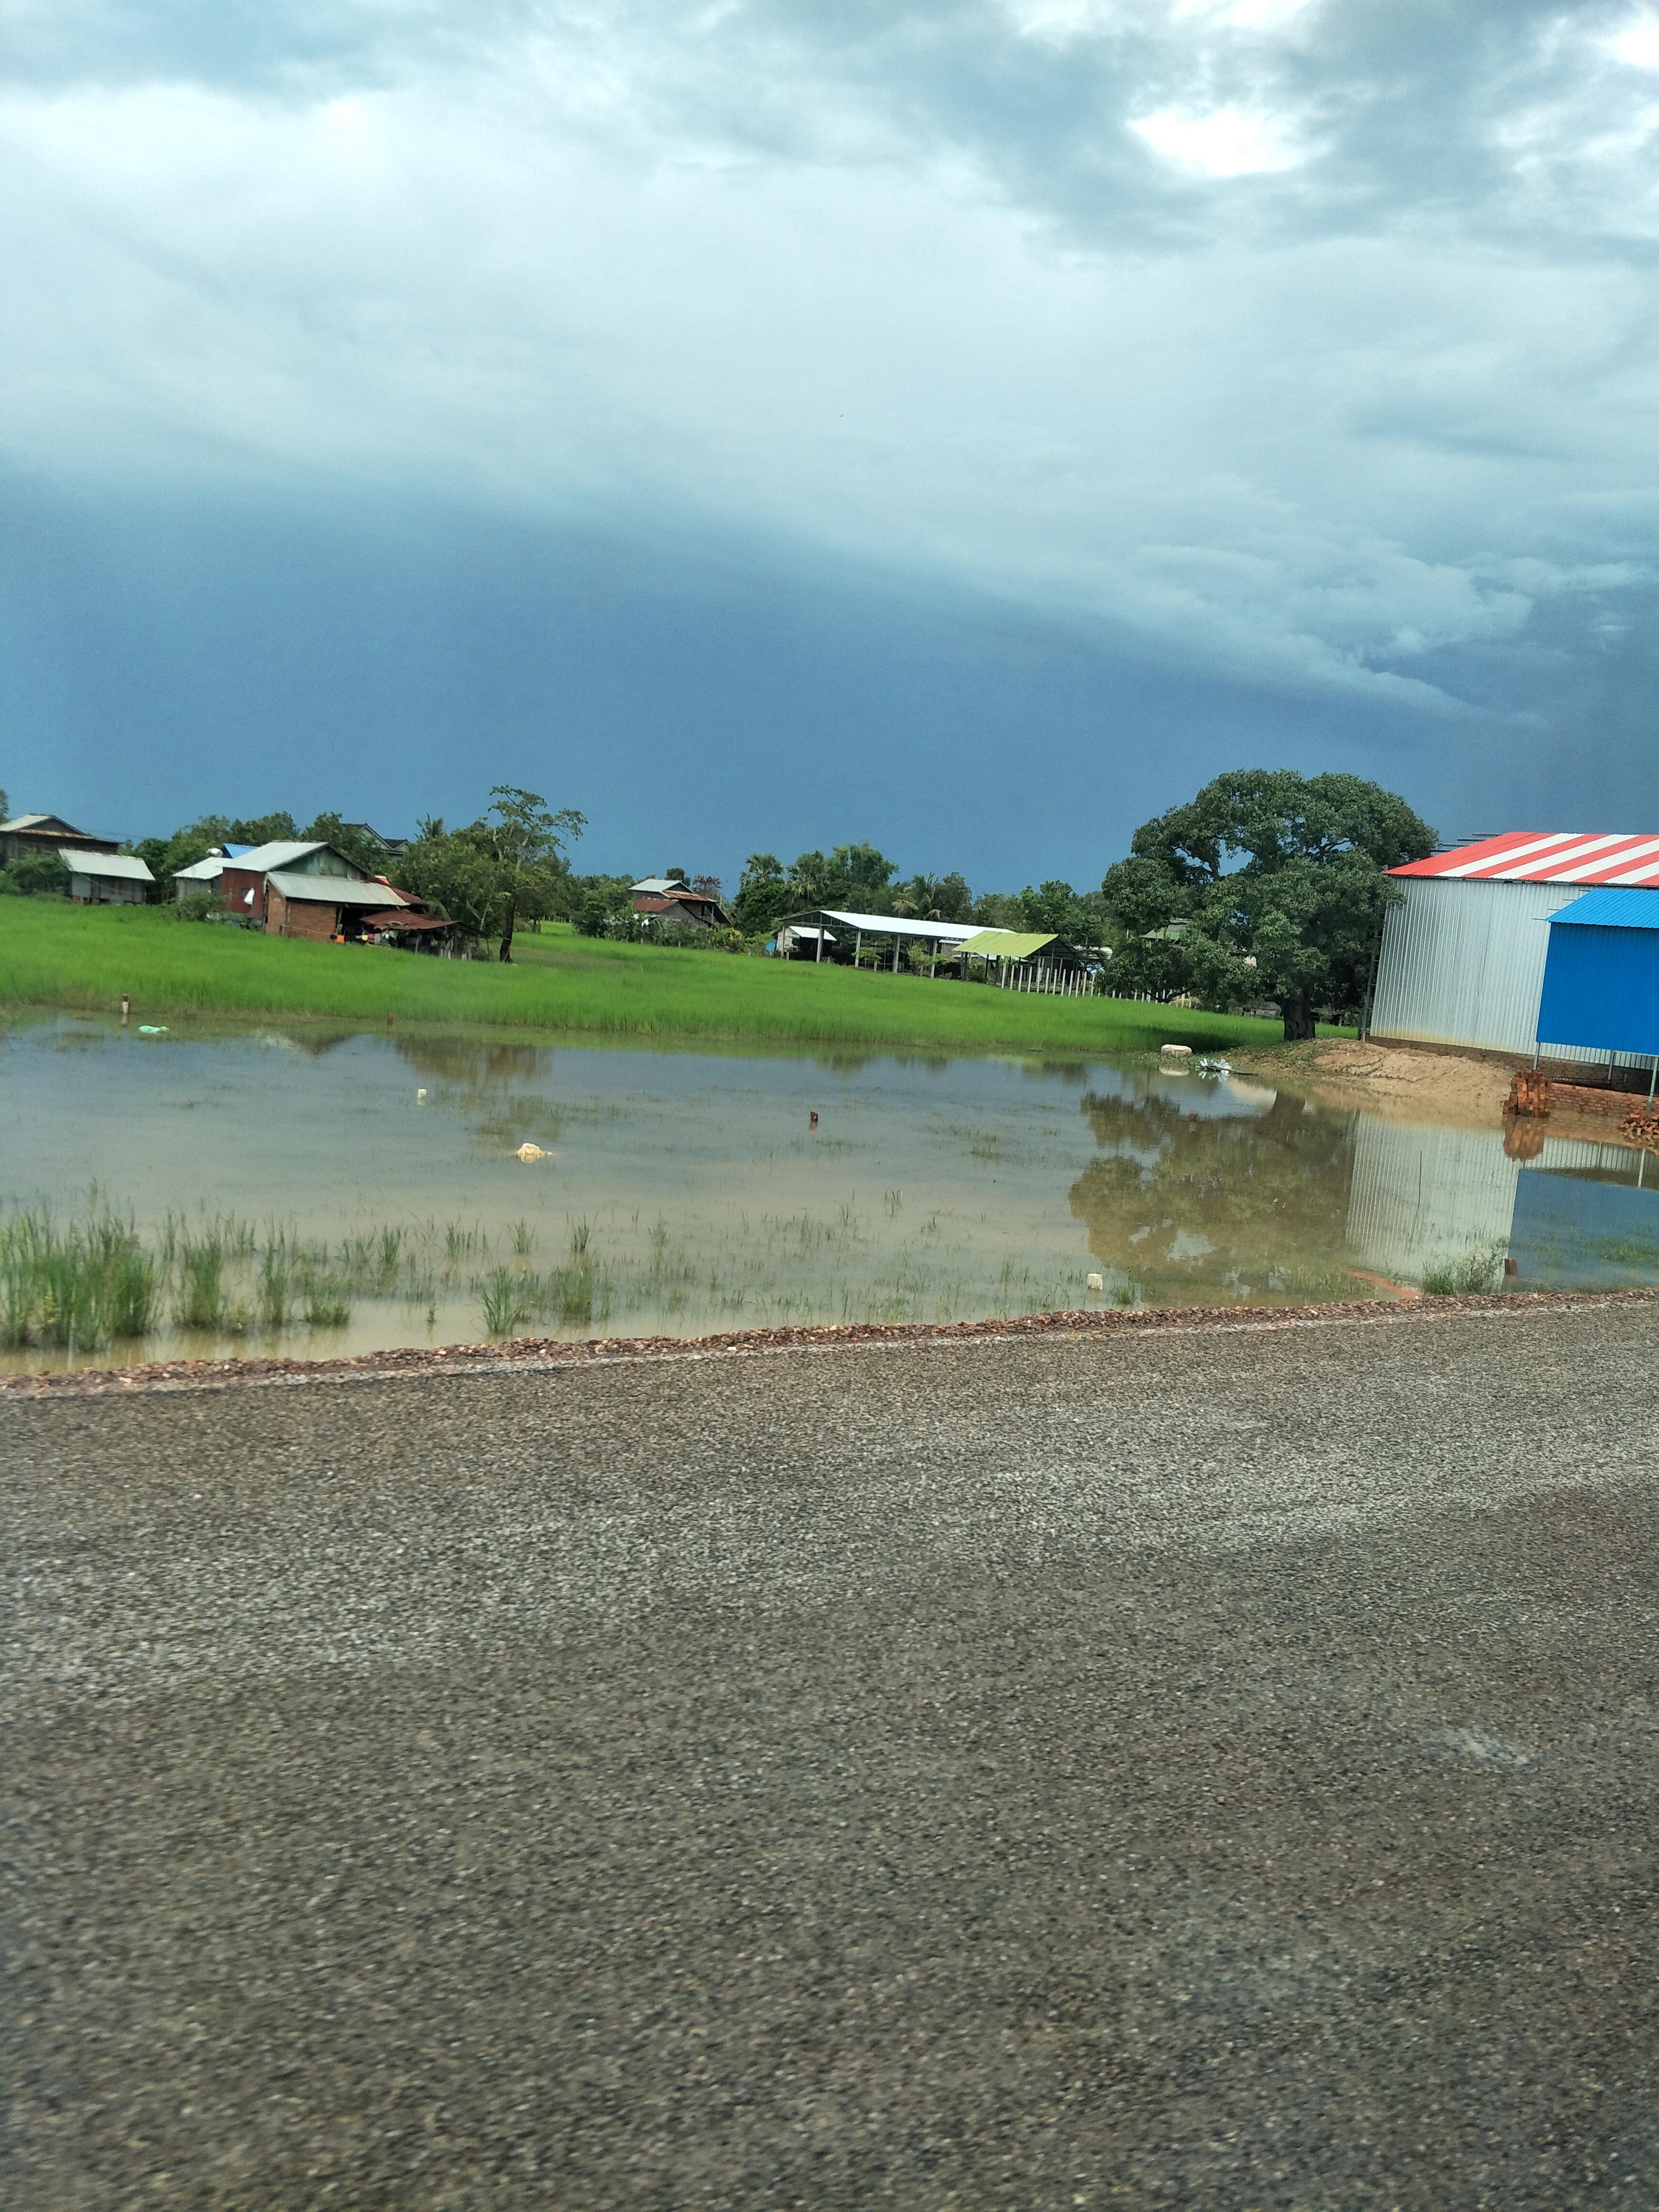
x: 508, y: 1300
x: 135, y: 1294
x: 75, y: 1286
x: 328, y: 1303
x: 202, y: 1285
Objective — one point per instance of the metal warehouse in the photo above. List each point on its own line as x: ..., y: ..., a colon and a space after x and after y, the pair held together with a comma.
x: 1464, y: 951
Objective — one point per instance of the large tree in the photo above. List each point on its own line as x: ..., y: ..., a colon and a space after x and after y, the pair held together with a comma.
x: 1267, y: 884
x: 509, y: 864
x: 764, y: 896
x: 527, y: 842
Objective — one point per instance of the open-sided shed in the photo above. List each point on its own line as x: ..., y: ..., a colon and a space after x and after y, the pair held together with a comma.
x: 1027, y: 960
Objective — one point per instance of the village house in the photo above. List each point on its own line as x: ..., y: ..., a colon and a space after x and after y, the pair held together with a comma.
x: 106, y: 878
x: 293, y: 888
x: 27, y: 835
x: 660, y: 898
x: 204, y: 875
x: 833, y: 934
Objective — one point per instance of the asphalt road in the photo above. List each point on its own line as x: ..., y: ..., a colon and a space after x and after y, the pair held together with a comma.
x: 1206, y: 1769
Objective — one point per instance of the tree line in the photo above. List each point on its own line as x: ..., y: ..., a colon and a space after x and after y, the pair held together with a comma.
x: 1266, y: 885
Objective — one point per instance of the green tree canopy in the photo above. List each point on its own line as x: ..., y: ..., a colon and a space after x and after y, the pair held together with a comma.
x: 258, y: 829
x: 764, y: 896
x: 935, y: 898
x: 1268, y: 884
x: 165, y: 856
x: 366, y: 850
x: 507, y: 866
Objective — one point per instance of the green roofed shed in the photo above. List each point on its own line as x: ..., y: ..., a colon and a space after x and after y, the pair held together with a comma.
x: 1026, y: 960
x: 1007, y: 943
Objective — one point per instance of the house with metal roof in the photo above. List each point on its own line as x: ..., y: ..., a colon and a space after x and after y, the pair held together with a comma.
x: 204, y: 875
x: 293, y: 888
x: 1466, y: 945
x: 659, y: 899
x: 105, y: 879
x: 27, y: 834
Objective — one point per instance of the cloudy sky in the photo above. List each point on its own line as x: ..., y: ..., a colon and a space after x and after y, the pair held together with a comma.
x: 761, y: 425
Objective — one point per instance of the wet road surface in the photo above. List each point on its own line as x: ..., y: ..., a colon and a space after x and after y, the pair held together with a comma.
x: 1215, y: 1769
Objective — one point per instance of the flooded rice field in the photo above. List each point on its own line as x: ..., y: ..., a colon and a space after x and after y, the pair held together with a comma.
x: 199, y: 1192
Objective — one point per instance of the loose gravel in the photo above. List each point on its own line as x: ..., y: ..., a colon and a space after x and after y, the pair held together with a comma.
x: 1200, y: 1766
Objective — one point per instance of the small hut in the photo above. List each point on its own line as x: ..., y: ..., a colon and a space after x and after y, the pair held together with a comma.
x: 105, y: 879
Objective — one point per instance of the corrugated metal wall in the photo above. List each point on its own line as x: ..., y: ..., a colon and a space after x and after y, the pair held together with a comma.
x: 1462, y: 962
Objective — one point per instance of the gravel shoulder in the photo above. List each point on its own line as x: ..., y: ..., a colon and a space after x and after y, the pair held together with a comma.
x: 1208, y: 1767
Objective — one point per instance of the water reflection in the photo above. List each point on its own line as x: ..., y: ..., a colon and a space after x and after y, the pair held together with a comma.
x: 474, y: 1066
x: 708, y: 1196
x: 1248, y: 1205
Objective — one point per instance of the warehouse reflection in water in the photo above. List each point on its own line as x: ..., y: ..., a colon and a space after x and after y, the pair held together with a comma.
x: 1282, y: 1200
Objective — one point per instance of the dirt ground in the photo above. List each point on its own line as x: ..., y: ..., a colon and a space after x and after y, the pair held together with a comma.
x: 1400, y: 1083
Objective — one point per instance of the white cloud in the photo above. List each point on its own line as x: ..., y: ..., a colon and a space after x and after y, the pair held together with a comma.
x: 1638, y: 44
x: 1228, y: 142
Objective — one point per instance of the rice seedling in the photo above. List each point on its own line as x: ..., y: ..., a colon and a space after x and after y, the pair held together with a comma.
x: 17, y: 1298
x: 524, y: 1239
x: 579, y: 1234
x: 134, y: 1293
x: 70, y: 1310
x: 202, y: 1285
x: 508, y: 1300
x: 276, y: 1291
x: 327, y: 1302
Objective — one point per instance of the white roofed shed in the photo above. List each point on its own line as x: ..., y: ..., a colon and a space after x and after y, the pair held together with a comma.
x: 105, y: 879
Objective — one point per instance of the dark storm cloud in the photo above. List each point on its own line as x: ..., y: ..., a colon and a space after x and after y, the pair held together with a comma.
x: 1298, y: 349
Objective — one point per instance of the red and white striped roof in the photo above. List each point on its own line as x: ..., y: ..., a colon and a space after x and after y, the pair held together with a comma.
x: 1566, y: 857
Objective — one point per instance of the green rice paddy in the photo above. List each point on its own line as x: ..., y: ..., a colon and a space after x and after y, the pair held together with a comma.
x: 52, y: 953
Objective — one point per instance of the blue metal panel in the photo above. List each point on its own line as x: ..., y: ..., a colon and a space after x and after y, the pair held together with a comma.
x: 1610, y: 909
x: 1601, y: 983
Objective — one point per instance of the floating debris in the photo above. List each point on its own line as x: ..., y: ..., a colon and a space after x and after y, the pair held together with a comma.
x: 148, y: 1029
x: 527, y: 1152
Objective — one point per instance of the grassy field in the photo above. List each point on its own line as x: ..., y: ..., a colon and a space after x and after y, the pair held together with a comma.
x: 53, y: 954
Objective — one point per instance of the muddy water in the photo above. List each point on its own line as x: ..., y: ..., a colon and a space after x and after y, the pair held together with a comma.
x: 684, y: 1191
